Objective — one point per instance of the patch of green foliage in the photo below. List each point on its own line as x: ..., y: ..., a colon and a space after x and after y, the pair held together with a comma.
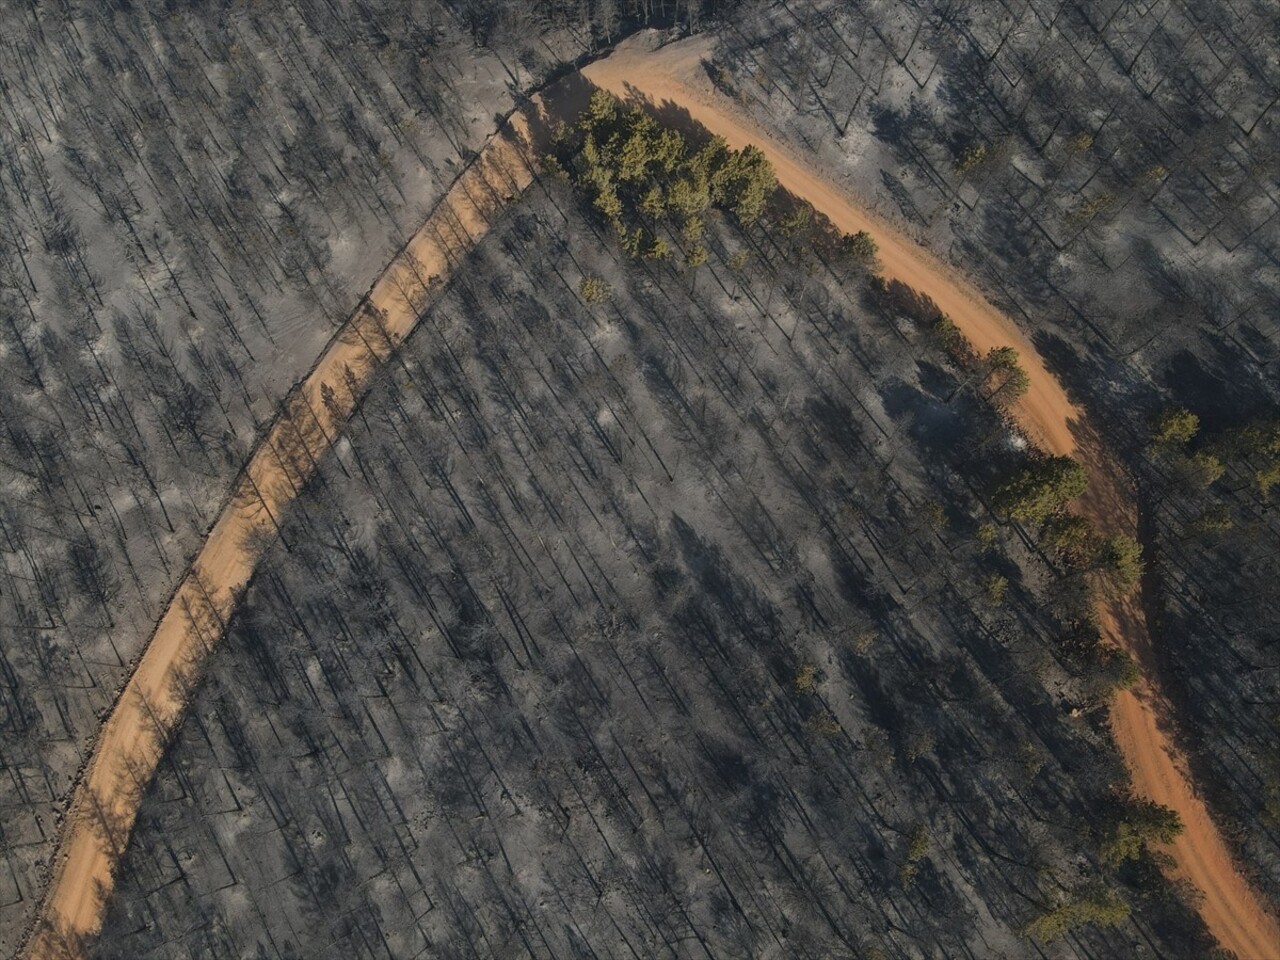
x: 953, y: 342
x: 1175, y: 428
x: 641, y: 176
x: 1115, y: 670
x: 860, y: 250
x: 1071, y: 539
x: 1041, y: 489
x: 1104, y: 907
x: 1258, y: 447
x: 1119, y: 560
x: 995, y: 589
x: 1133, y: 825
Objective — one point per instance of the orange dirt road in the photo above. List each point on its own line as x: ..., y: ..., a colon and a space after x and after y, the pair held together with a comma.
x: 674, y: 76
x: 105, y: 803
x: 131, y: 742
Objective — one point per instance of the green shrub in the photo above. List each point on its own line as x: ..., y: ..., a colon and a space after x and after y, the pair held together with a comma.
x: 696, y: 256
x: 806, y: 679
x: 994, y: 589
x: 1071, y: 539
x: 1174, y: 428
x: 1116, y: 669
x: 1041, y: 489
x: 953, y: 342
x: 1135, y: 824
x: 860, y: 249
x: 1213, y: 521
x: 594, y: 290
x: 1103, y: 907
x: 1201, y: 470
x: 1006, y: 380
x: 1120, y: 561
x: 797, y: 221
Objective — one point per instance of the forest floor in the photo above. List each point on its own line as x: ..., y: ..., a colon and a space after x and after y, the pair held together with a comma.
x: 673, y: 79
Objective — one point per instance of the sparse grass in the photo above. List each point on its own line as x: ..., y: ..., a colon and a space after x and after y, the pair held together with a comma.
x: 594, y: 290
x: 806, y: 680
x: 864, y: 641
x: 971, y: 159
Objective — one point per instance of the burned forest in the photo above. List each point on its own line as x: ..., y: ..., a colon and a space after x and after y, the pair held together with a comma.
x: 639, y: 478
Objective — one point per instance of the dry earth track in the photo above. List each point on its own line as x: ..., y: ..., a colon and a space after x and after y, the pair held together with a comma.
x: 105, y: 803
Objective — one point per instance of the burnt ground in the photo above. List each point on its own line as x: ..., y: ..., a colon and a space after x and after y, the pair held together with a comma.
x: 650, y: 627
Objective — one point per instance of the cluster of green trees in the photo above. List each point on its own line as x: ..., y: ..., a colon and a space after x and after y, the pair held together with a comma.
x: 998, y: 376
x: 1103, y: 906
x: 1195, y: 463
x: 655, y: 186
x: 1038, y: 496
x: 1134, y: 824
x: 642, y: 177
x: 1127, y: 831
x: 1041, y: 490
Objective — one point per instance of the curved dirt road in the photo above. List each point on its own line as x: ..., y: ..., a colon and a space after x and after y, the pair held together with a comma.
x: 130, y: 744
x: 106, y: 799
x: 673, y: 77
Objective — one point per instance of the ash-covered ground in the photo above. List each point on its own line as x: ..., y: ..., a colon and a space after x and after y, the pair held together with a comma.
x: 659, y: 626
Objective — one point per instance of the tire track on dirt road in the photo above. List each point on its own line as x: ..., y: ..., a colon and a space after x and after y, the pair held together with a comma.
x: 674, y: 77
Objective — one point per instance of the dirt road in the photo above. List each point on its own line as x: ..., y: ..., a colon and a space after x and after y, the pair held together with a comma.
x: 105, y: 803
x: 104, y: 806
x: 675, y: 77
